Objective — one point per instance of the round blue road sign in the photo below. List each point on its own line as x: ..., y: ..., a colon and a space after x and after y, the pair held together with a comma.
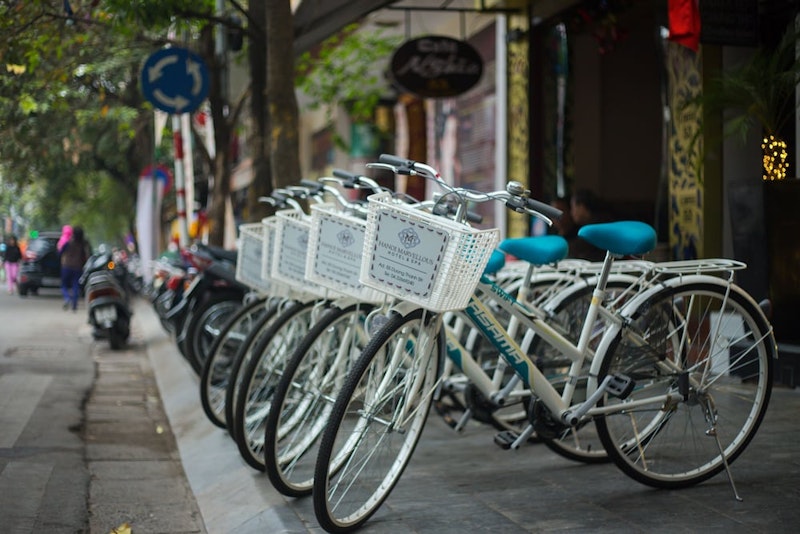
x: 175, y: 80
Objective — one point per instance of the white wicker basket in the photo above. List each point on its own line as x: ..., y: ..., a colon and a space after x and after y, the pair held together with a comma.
x: 253, y: 239
x: 289, y: 253
x: 429, y: 260
x: 335, y: 250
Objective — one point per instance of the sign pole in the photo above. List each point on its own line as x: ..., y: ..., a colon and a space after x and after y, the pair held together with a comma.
x: 176, y: 80
x: 180, y: 190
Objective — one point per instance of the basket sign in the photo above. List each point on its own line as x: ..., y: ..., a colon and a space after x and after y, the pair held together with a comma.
x: 339, y: 250
x: 267, y: 250
x: 406, y: 254
x: 292, y: 255
x: 252, y: 248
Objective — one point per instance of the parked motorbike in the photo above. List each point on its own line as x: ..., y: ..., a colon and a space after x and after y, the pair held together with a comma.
x: 170, y: 278
x: 211, y: 298
x: 107, y: 299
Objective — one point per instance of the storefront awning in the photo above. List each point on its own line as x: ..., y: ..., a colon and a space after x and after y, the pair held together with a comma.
x: 315, y: 20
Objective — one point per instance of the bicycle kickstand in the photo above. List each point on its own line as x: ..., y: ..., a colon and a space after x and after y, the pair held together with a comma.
x: 462, y: 422
x: 712, y: 432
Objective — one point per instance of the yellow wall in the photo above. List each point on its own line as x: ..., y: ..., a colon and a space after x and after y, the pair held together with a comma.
x: 686, y: 196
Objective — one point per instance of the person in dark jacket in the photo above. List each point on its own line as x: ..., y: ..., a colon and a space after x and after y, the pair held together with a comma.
x: 587, y: 208
x: 12, y: 257
x: 73, y: 256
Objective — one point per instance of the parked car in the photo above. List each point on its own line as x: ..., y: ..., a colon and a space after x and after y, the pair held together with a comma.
x: 41, y: 266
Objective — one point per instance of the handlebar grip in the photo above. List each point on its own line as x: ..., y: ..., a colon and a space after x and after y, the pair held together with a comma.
x: 339, y: 173
x: 474, y: 217
x: 396, y: 161
x: 313, y: 186
x: 444, y: 209
x: 544, y: 209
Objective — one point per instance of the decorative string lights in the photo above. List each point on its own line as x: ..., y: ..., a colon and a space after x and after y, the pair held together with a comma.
x: 775, y: 164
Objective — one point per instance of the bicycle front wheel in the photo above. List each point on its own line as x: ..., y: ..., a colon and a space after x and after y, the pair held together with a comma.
x: 701, y: 358
x: 305, y: 394
x: 217, y: 369
x: 263, y: 372
x: 376, y: 421
x: 241, y: 360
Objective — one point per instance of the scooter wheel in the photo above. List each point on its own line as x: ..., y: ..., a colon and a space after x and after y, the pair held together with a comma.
x: 115, y: 339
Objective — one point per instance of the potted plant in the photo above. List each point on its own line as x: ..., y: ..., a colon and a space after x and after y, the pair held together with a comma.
x: 760, y: 94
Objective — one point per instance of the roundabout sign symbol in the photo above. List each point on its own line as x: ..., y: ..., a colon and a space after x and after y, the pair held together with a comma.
x: 175, y: 80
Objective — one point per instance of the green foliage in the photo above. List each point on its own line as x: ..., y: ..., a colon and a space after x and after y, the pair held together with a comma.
x: 70, y: 109
x: 344, y: 72
x: 75, y: 131
x: 132, y: 17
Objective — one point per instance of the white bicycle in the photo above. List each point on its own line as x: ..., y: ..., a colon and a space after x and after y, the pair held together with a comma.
x: 678, y: 384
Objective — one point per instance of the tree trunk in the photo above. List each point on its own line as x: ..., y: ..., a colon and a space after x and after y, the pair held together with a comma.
x: 284, y: 149
x: 259, y: 140
x: 220, y: 188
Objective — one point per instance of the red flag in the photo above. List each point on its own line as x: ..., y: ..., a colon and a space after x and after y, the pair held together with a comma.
x: 684, y: 23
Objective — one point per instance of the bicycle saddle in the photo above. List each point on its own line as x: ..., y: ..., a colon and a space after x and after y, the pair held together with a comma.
x: 622, y: 238
x: 538, y: 250
x: 496, y: 262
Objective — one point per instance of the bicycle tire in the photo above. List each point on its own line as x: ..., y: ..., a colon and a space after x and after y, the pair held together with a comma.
x: 213, y: 317
x: 217, y: 369
x: 260, y: 377
x: 580, y: 443
x: 240, y: 361
x: 347, y: 492
x: 676, y: 343
x: 195, y: 345
x: 304, y: 397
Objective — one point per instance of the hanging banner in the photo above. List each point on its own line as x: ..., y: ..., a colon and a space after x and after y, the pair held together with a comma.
x: 154, y: 182
x: 436, y: 66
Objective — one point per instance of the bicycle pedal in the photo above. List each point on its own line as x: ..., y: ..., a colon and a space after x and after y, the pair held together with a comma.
x: 620, y: 386
x: 505, y: 439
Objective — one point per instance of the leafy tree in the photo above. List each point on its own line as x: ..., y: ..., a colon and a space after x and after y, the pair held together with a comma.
x: 71, y: 110
x: 258, y: 139
x: 72, y: 102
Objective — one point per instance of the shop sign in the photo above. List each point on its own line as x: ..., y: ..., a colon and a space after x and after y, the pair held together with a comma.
x: 436, y: 66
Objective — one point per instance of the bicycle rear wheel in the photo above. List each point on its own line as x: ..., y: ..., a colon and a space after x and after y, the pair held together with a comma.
x: 305, y: 394
x: 376, y: 421
x: 568, y: 311
x: 701, y: 357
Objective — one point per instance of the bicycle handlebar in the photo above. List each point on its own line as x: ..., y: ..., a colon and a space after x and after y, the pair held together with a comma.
x: 356, y: 181
x: 515, y: 196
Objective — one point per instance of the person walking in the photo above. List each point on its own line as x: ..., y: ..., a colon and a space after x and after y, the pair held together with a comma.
x: 66, y: 233
x: 74, y: 254
x: 13, y: 255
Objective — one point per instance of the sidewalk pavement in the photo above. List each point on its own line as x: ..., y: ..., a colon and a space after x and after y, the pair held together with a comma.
x: 459, y: 483
x: 85, y: 445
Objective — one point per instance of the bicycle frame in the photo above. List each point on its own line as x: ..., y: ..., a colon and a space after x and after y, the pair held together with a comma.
x: 534, y: 321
